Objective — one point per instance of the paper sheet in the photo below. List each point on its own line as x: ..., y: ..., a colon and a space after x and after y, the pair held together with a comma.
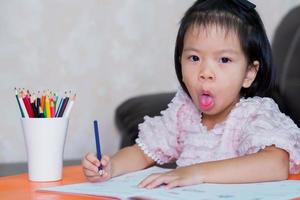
x: 125, y: 187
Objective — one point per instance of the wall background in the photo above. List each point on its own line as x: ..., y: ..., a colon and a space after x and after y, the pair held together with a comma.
x: 104, y: 50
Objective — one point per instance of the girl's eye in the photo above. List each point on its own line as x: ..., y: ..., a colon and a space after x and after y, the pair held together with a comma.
x: 194, y: 58
x: 225, y: 60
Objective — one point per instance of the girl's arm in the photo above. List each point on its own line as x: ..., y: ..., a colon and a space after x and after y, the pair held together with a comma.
x: 129, y: 159
x: 270, y: 164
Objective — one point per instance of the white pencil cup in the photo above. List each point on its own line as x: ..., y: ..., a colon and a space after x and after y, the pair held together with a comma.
x: 45, y: 141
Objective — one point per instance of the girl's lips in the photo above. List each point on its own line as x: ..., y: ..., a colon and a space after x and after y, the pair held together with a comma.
x: 206, y: 101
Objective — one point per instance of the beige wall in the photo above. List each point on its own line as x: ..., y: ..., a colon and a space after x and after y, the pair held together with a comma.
x: 105, y: 50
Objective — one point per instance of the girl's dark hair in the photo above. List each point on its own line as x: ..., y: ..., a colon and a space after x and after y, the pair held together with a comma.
x: 247, y: 24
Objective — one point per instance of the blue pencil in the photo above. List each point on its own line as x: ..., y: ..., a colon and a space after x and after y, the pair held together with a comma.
x: 59, y: 107
x: 99, y: 155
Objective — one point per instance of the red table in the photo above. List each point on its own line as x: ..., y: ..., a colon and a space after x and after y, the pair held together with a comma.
x: 18, y: 186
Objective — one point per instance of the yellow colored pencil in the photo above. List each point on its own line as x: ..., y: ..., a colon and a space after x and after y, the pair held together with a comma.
x: 48, y: 113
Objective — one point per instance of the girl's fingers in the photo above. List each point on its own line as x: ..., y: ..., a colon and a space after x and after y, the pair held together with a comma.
x: 183, y: 181
x: 92, y: 158
x: 105, y: 175
x: 91, y: 164
x: 90, y: 173
x: 99, y: 178
x: 86, y: 164
x: 174, y: 183
x: 161, y: 180
x: 144, y: 183
x: 105, y: 160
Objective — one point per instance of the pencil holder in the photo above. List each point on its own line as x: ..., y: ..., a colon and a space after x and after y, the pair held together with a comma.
x: 45, y: 141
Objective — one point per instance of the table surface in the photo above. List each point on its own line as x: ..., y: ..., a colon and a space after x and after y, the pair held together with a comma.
x: 19, y: 187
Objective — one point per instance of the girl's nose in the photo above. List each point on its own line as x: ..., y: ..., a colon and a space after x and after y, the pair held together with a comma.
x: 206, y: 73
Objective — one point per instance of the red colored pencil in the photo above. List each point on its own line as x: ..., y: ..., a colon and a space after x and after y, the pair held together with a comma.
x: 28, y: 106
x: 52, y: 111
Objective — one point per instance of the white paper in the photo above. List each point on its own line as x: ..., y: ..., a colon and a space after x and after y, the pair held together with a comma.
x: 125, y: 187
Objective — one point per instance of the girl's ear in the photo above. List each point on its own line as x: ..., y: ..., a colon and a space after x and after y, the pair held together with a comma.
x: 251, y: 74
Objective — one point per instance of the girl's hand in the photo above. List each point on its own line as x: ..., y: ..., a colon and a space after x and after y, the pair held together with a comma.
x: 90, y: 165
x: 182, y: 176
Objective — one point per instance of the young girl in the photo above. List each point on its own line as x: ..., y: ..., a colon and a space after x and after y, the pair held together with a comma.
x: 220, y: 127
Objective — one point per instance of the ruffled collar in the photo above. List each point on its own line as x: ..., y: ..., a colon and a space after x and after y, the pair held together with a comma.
x: 219, y: 127
x: 240, y: 112
x: 237, y: 115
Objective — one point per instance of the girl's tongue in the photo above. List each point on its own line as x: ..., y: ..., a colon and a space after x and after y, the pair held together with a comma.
x: 206, y: 101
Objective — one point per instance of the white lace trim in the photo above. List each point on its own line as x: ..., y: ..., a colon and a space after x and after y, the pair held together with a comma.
x: 148, y: 153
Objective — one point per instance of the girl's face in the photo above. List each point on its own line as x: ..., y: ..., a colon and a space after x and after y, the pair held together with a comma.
x: 214, y: 69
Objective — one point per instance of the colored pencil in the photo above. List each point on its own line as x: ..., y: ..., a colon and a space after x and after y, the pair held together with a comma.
x: 43, y: 102
x: 59, y: 107
x: 63, y: 107
x: 22, y: 113
x: 52, y: 111
x: 38, y: 104
x: 69, y: 107
x: 34, y: 109
x: 97, y: 139
x: 27, y: 105
x: 41, y: 115
x: 23, y: 106
x: 47, y: 104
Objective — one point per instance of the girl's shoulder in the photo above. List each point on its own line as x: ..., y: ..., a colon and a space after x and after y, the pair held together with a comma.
x: 258, y: 104
x: 247, y: 107
x: 265, y: 126
x: 263, y: 110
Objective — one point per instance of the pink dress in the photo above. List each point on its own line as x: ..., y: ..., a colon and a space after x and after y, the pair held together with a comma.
x: 253, y: 124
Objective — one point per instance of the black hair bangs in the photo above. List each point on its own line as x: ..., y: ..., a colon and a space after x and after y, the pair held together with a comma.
x: 224, y: 21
